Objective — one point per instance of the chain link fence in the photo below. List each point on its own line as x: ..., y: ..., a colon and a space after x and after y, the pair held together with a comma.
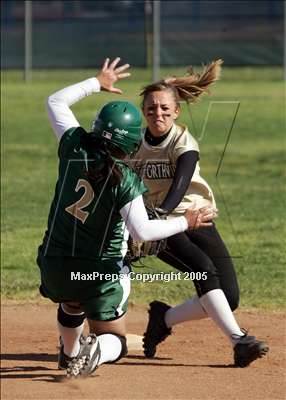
x: 79, y: 34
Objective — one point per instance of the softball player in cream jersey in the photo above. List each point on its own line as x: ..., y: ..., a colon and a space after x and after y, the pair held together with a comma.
x: 158, y: 169
x: 168, y: 162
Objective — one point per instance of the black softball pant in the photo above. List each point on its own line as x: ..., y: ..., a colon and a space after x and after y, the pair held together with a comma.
x: 203, y: 250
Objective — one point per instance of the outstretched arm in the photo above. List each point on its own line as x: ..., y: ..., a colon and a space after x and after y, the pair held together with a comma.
x: 58, y: 104
x: 141, y: 228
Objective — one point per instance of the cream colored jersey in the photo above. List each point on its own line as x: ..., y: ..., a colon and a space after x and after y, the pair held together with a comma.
x: 157, y: 164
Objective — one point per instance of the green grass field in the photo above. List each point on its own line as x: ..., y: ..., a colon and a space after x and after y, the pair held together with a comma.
x: 249, y: 188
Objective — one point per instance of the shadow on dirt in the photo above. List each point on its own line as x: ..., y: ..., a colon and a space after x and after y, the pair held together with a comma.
x: 157, y: 361
x: 30, y: 357
x: 30, y: 372
x: 40, y: 373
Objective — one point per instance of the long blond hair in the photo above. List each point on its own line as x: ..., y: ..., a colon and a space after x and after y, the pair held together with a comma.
x: 189, y: 87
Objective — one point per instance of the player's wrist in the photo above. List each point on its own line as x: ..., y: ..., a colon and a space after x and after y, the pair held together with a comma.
x: 98, y: 81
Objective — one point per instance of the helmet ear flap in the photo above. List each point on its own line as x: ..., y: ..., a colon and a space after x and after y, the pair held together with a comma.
x: 136, y: 147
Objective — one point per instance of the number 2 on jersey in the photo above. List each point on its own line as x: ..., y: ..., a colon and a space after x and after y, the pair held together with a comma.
x: 76, y: 209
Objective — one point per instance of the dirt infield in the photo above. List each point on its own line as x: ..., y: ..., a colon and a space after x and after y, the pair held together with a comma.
x: 194, y: 363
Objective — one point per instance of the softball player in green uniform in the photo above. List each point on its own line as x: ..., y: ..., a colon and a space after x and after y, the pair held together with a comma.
x: 168, y: 162
x: 97, y: 201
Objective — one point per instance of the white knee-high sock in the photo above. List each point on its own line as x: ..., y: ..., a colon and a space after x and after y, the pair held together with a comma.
x: 110, y: 347
x: 188, y: 311
x: 217, y: 308
x: 70, y: 337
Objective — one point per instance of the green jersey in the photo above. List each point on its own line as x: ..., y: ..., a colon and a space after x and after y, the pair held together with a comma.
x: 84, y: 219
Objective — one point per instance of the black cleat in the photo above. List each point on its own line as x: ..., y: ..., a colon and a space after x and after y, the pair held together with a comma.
x: 248, y: 349
x: 157, y: 330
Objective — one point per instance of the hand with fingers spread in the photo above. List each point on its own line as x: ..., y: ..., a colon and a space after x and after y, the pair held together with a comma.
x: 110, y: 74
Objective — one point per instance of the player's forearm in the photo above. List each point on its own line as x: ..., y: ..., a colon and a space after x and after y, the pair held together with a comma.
x: 141, y: 228
x: 58, y: 104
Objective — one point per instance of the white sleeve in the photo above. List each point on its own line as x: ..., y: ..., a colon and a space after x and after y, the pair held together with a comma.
x: 141, y: 228
x: 58, y: 105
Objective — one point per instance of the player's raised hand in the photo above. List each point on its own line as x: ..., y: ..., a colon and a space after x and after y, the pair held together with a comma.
x: 110, y: 74
x: 201, y: 217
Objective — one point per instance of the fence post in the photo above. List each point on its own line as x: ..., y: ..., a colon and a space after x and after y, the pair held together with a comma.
x: 156, y: 40
x: 28, y: 41
x: 284, y: 41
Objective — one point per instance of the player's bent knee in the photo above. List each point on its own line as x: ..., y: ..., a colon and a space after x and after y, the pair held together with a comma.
x: 70, y: 320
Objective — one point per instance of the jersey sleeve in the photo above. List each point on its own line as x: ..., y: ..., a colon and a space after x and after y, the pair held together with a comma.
x: 131, y: 186
x: 185, y: 167
x: 185, y: 142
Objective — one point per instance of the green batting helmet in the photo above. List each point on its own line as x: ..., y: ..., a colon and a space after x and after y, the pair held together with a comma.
x: 119, y: 122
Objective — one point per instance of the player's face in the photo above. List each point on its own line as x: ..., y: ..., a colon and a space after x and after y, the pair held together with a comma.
x: 160, y: 111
